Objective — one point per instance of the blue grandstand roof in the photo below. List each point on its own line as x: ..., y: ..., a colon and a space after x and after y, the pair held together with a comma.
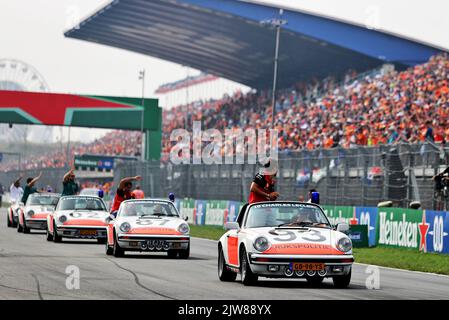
x: 226, y: 38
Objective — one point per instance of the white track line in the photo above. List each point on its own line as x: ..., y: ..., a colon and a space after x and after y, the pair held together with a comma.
x: 405, y: 270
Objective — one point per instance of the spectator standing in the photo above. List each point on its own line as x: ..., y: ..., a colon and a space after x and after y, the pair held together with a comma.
x: 138, y: 193
x: 15, y: 191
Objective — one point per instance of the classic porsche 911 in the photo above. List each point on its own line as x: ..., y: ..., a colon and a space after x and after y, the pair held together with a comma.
x: 34, y: 214
x: 81, y: 217
x: 285, y: 240
x: 148, y: 225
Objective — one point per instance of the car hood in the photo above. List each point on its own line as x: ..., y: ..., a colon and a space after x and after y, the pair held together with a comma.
x: 147, y: 225
x: 84, y: 217
x: 39, y: 209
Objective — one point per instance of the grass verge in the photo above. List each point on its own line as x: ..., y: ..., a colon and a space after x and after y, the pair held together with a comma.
x: 403, y: 259
x: 207, y: 232
x: 386, y: 257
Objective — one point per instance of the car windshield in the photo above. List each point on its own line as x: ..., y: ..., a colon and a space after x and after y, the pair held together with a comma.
x: 148, y: 208
x: 285, y: 214
x: 81, y: 203
x: 43, y: 200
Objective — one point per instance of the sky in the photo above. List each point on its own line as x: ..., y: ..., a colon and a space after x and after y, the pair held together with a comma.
x: 32, y: 31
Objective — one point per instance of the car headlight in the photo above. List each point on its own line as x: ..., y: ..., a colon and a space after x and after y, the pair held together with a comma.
x: 30, y: 213
x: 344, y: 244
x: 125, y: 227
x: 184, y: 228
x: 62, y: 219
x: 261, y: 244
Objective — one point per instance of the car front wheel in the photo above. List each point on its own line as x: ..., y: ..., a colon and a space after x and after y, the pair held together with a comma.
x: 49, y: 236
x: 56, y: 237
x: 19, y: 227
x: 343, y: 281
x: 184, y: 254
x: 248, y: 277
x: 117, y: 250
x: 8, y: 221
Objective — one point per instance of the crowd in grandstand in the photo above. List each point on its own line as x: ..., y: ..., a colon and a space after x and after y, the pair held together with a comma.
x: 382, y: 108
x: 117, y: 142
x: 379, y: 108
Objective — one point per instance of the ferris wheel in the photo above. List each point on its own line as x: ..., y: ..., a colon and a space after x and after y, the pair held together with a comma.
x: 19, y: 76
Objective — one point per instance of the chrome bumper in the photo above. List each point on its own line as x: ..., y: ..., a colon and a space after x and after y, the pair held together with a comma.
x: 154, y: 243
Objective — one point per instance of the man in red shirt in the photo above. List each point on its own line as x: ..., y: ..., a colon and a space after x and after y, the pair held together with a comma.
x: 262, y: 187
x: 123, y: 193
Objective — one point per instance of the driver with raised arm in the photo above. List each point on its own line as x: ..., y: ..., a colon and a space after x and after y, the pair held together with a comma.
x: 123, y: 193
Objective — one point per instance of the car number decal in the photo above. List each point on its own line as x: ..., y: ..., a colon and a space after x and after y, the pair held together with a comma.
x: 85, y: 215
x: 315, y: 236
x: 150, y: 222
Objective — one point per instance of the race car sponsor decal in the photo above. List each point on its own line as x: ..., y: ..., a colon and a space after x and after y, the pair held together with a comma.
x: 154, y: 230
x: 302, y: 248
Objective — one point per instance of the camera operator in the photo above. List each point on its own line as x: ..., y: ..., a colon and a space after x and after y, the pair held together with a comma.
x: 440, y: 180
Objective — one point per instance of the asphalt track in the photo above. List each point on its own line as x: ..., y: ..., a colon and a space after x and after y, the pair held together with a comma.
x: 32, y: 268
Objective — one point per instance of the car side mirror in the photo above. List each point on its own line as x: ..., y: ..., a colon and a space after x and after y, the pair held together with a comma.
x: 185, y: 218
x: 232, y: 226
x: 343, y: 227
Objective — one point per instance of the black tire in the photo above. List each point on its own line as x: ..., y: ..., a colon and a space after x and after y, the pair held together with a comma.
x: 56, y: 238
x: 109, y: 249
x: 184, y: 254
x: 248, y: 277
x: 19, y: 227
x: 49, y: 236
x: 315, y: 281
x: 172, y: 254
x: 223, y: 273
x: 342, y: 282
x: 25, y: 228
x: 8, y: 222
x: 117, y: 251
x: 101, y: 240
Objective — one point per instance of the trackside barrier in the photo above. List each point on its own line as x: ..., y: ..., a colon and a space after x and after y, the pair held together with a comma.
x: 423, y: 230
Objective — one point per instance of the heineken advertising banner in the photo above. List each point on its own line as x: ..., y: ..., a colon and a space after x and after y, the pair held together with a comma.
x: 339, y: 214
x: 186, y: 208
x: 436, y: 228
x: 401, y: 228
x: 200, y: 212
x: 367, y: 216
x: 215, y: 212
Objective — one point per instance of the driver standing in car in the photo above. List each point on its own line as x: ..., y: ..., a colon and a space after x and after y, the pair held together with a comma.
x: 123, y: 193
x: 263, y: 186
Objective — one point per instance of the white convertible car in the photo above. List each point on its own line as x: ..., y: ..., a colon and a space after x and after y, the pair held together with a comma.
x: 148, y: 225
x: 285, y: 240
x: 81, y: 217
x: 34, y: 214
